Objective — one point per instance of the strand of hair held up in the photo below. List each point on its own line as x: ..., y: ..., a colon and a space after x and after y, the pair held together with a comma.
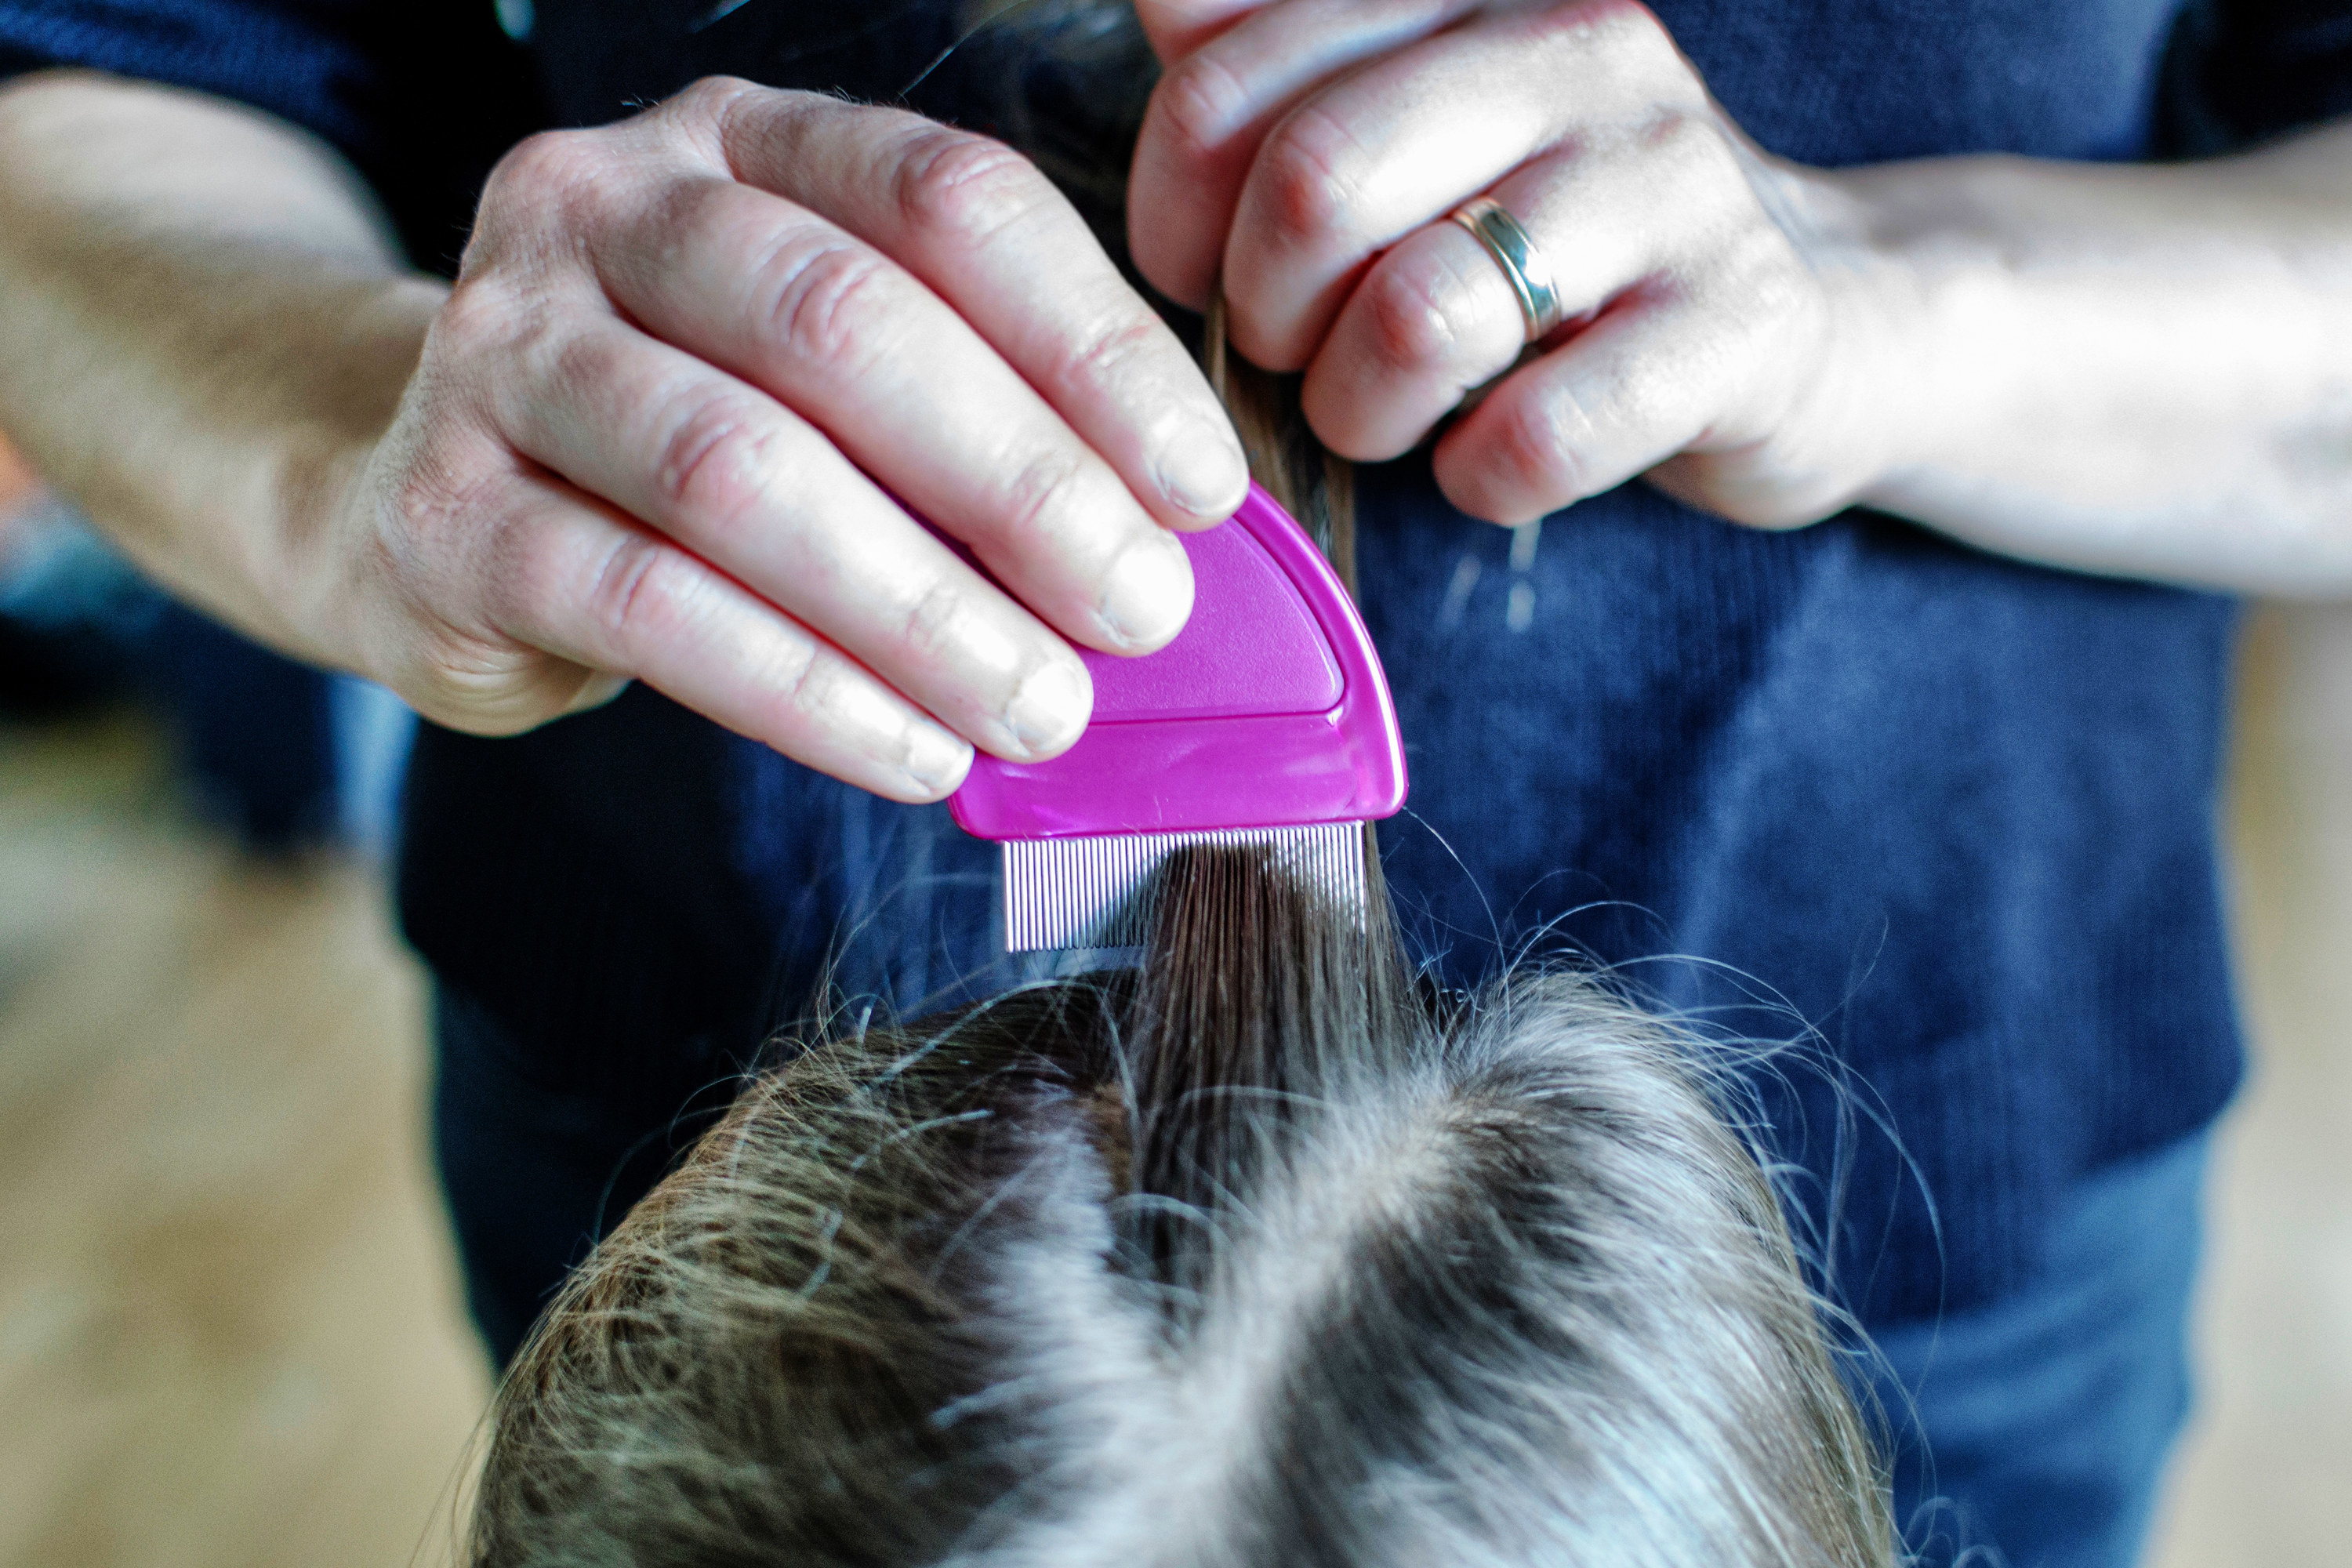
x: 1311, y: 484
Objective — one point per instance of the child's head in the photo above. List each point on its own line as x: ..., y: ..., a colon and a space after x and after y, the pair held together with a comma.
x: 1250, y: 1257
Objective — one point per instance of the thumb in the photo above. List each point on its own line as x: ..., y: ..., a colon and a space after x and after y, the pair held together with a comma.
x: 597, y: 686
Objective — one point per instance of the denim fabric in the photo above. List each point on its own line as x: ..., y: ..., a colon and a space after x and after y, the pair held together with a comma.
x: 1952, y: 811
x: 529, y: 1171
x: 2034, y: 1434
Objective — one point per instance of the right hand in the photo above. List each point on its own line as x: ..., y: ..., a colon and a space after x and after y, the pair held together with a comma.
x: 652, y: 428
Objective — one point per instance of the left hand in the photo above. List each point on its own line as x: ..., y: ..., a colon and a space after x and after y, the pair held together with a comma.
x: 1722, y: 315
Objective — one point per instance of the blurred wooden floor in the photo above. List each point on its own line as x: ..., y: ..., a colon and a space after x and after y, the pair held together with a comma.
x: 229, y: 1331
x: 2267, y: 1475
x: 228, y: 1325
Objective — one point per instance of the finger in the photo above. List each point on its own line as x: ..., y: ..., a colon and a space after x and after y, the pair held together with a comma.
x: 1177, y: 27
x: 1638, y: 386
x: 991, y: 235
x: 1377, y: 155
x: 590, y: 587
x: 1438, y: 315
x: 745, y: 484
x: 1234, y: 72
x: 844, y: 337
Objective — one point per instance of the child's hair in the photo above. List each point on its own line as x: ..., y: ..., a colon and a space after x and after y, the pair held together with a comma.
x: 1258, y: 1255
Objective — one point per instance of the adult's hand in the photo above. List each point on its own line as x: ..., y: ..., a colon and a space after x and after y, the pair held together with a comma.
x: 654, y: 424
x: 1967, y: 342
x: 1310, y: 150
x: 660, y: 429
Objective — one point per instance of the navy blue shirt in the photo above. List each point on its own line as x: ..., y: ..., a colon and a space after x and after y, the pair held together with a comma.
x: 1942, y: 820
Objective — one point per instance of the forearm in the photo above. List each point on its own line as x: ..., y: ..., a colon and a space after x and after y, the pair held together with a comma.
x: 203, y: 324
x: 2138, y: 370
x: 610, y: 453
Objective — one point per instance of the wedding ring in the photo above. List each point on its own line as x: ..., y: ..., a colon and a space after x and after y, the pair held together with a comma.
x: 1492, y: 226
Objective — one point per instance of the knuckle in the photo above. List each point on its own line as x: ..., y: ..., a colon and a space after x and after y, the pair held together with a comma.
x: 1699, y: 161
x: 1624, y: 27
x: 1034, y: 496
x: 707, y: 114
x: 829, y: 302
x: 1406, y: 321
x: 1306, y: 191
x: 794, y: 124
x: 706, y: 101
x: 1538, y: 445
x: 1197, y: 104
x: 932, y: 626
x: 965, y: 187
x: 632, y: 594
x: 1118, y: 340
x: 1648, y: 43
x: 1625, y: 40
x: 801, y: 680
x: 1639, y: 26
x: 554, y: 171
x: 714, y: 462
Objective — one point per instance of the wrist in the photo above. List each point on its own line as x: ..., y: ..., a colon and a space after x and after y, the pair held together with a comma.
x: 326, y: 565
x: 1937, y: 297
x: 1852, y: 403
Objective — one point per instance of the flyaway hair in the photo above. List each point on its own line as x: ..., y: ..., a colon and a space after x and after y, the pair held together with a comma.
x: 1257, y: 1256
x: 1253, y: 1256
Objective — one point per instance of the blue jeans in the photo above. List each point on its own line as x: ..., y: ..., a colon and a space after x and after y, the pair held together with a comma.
x: 2035, y: 1432
x: 2031, y: 1435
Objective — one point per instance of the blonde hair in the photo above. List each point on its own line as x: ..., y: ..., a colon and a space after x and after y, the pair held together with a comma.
x: 1256, y: 1255
x: 1250, y: 1257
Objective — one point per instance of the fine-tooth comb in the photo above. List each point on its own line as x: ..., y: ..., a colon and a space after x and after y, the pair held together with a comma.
x: 1267, y: 721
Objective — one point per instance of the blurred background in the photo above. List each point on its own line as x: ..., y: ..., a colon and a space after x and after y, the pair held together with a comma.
x: 229, y: 1321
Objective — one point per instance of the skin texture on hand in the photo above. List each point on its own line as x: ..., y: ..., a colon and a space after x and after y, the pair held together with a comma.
x: 661, y: 429
x: 1969, y: 343
x: 662, y: 426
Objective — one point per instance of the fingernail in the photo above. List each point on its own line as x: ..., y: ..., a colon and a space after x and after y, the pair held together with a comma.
x: 1203, y: 469
x: 1049, y: 707
x: 1147, y: 593
x: 935, y: 759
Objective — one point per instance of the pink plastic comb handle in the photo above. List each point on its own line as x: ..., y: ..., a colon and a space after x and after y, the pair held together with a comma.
x: 1269, y: 709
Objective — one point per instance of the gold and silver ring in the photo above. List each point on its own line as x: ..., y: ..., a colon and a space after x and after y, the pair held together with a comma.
x: 1492, y: 226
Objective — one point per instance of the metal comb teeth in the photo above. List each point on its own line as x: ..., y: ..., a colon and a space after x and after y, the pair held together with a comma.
x: 1085, y: 892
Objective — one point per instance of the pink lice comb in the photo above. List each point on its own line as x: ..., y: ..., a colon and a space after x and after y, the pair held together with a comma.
x: 1267, y: 722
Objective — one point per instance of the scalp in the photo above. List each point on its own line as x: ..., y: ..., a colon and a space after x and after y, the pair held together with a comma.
x: 1316, y: 1276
